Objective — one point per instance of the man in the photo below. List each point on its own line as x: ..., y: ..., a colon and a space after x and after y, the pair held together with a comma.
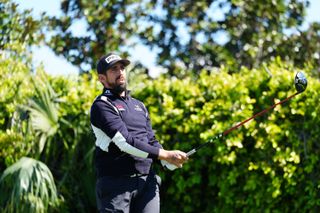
x: 125, y: 145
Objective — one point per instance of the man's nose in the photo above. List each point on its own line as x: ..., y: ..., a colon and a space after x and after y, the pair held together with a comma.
x: 121, y: 72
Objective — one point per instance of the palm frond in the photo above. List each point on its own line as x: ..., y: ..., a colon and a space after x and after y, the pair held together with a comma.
x: 43, y: 113
x: 27, y: 186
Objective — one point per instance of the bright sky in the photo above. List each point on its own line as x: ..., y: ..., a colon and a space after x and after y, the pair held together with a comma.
x: 58, y: 65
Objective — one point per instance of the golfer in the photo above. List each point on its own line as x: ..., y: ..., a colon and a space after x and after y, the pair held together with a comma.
x: 126, y: 145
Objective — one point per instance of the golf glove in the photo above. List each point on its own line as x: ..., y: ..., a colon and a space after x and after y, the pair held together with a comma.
x: 167, y: 165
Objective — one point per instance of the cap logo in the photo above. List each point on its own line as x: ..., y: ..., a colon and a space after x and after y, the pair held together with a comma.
x: 111, y: 58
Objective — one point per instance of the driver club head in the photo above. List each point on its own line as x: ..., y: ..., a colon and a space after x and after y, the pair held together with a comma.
x: 300, y: 82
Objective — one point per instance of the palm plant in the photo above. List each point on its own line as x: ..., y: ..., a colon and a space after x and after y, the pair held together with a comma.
x: 58, y: 124
x: 27, y: 186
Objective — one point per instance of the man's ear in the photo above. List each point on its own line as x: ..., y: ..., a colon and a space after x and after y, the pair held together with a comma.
x: 102, y: 78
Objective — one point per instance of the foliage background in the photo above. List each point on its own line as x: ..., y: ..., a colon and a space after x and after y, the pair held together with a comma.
x: 270, y: 164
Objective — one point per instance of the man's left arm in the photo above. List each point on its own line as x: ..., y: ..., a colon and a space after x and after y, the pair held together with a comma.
x: 154, y: 142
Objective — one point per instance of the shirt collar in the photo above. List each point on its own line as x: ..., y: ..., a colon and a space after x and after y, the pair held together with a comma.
x: 110, y: 92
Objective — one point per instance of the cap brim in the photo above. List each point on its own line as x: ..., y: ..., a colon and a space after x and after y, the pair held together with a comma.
x: 125, y: 62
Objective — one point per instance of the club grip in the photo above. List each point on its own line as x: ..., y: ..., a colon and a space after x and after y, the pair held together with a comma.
x: 191, y: 152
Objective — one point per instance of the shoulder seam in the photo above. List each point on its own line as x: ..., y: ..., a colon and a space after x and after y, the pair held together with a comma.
x: 105, y: 99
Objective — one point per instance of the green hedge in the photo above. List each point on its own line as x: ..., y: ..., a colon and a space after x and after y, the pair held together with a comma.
x: 271, y: 164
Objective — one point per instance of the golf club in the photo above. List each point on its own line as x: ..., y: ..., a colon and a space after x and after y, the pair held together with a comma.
x: 300, y: 83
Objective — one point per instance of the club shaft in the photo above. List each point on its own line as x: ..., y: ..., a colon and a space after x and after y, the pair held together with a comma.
x: 258, y: 114
x: 191, y: 152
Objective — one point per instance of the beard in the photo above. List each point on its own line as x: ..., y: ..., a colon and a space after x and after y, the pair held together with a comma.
x: 118, y: 88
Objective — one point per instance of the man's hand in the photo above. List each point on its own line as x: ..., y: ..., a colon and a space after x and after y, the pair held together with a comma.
x: 175, y: 157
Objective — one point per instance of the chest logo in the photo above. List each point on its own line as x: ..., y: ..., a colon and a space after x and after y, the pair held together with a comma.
x: 137, y: 108
x: 120, y: 107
